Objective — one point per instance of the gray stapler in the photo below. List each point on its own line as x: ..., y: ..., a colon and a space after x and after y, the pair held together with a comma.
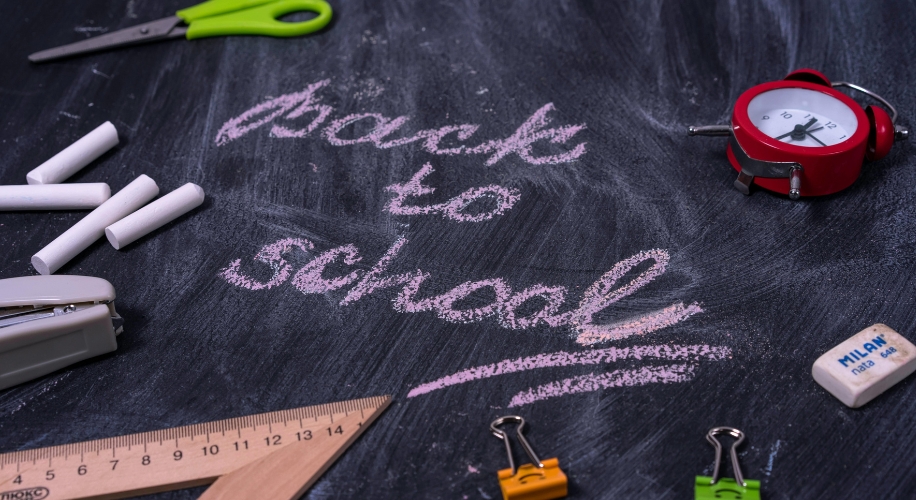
x: 49, y: 322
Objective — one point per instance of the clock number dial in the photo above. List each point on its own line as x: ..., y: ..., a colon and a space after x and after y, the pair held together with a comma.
x: 802, y: 117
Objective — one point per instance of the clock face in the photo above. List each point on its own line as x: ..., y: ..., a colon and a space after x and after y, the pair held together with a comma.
x: 802, y: 117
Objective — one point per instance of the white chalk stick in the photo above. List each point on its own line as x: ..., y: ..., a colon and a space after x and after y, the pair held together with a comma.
x: 76, y: 156
x: 155, y: 215
x: 54, y: 196
x: 76, y: 239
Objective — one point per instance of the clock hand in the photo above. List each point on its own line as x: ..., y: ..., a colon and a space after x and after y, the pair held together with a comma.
x: 785, y: 135
x: 798, y: 133
x: 815, y: 138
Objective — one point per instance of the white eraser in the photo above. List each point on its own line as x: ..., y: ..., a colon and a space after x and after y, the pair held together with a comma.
x: 865, y: 365
x: 76, y: 156
x: 155, y: 215
x: 76, y: 239
x: 54, y: 196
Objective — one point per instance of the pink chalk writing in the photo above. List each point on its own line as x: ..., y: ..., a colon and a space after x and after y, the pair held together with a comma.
x: 530, y: 132
x: 590, y: 333
x: 503, y: 304
x: 283, y: 113
x: 454, y: 209
x: 310, y: 278
x: 373, y: 280
x: 308, y: 105
x: 382, y: 127
x: 444, y: 304
x: 605, y: 291
x: 595, y: 382
x: 553, y: 297
x: 564, y: 358
x: 271, y: 255
x: 267, y: 112
x: 432, y: 138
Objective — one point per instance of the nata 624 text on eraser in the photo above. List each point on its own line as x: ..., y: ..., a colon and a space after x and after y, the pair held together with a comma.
x: 865, y: 365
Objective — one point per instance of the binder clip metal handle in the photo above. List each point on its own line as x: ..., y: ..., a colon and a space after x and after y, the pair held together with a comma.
x: 739, y: 438
x: 521, y: 439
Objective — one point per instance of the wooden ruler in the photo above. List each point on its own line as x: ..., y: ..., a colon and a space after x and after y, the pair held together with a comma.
x: 310, y: 439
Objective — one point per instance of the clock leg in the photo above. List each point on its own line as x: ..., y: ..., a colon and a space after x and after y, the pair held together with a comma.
x: 795, y: 183
x: 744, y: 181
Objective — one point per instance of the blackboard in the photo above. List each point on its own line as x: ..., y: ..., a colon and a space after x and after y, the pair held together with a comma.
x: 758, y: 285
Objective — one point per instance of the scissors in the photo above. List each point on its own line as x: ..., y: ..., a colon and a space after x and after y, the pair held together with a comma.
x: 211, y: 18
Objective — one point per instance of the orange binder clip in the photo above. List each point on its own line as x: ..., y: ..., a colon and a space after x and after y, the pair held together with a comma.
x: 535, y: 481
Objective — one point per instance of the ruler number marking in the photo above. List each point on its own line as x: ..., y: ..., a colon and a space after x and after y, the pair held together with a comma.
x: 212, y: 446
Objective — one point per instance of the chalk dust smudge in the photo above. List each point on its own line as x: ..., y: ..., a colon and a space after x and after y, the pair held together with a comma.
x: 769, y: 468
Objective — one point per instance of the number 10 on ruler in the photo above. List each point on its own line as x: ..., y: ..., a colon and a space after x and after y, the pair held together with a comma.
x: 174, y: 458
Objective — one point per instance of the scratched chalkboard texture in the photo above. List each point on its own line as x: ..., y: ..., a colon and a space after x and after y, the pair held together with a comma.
x: 429, y: 187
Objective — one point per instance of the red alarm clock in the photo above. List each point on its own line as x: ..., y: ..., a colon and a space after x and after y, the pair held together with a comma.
x: 800, y: 136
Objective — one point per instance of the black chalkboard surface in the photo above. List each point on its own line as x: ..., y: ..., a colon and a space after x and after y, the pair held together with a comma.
x: 481, y: 208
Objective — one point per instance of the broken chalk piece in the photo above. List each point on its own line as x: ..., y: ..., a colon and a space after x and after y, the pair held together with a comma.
x: 155, y: 215
x: 76, y: 156
x: 865, y: 365
x: 91, y: 227
x: 54, y: 196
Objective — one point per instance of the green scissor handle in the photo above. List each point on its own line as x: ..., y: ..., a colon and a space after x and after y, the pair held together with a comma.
x: 212, y: 8
x: 252, y: 17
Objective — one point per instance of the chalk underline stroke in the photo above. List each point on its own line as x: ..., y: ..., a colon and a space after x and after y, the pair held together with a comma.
x: 672, y: 352
x: 667, y: 374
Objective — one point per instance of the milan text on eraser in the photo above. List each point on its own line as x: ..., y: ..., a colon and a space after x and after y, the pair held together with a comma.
x: 865, y: 365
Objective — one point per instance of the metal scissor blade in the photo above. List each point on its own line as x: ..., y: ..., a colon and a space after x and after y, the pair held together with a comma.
x: 162, y: 29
